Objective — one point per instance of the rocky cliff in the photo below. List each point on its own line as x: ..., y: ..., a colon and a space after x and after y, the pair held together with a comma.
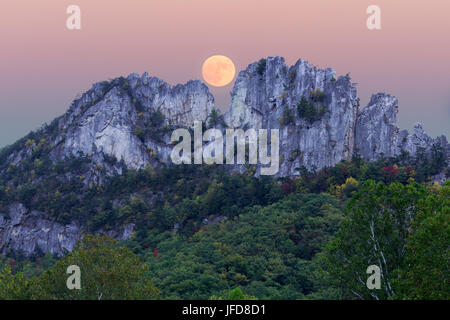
x: 25, y: 231
x: 107, y: 120
x: 377, y: 132
x: 112, y: 119
x: 130, y: 120
x: 267, y: 95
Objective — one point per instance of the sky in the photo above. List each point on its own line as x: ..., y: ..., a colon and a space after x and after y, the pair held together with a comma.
x: 44, y: 65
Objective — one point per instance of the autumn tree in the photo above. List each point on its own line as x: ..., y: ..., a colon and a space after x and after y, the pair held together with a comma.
x: 108, y: 271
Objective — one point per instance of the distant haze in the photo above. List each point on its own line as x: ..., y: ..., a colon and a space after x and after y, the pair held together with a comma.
x: 43, y: 65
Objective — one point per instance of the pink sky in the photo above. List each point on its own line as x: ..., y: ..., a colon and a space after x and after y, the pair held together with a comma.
x: 43, y: 65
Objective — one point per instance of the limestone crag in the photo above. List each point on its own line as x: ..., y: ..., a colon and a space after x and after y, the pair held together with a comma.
x: 27, y: 231
x: 269, y: 90
x: 130, y: 121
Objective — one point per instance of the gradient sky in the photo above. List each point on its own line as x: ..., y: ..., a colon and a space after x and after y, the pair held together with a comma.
x: 43, y: 65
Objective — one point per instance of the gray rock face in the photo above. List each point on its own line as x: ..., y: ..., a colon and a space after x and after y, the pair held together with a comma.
x: 181, y: 104
x: 105, y: 123
x: 261, y: 96
x: 376, y: 130
x: 24, y: 231
x: 377, y: 133
x: 107, y: 127
x: 418, y: 139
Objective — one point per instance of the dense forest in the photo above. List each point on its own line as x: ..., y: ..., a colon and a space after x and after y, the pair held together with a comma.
x: 202, y: 233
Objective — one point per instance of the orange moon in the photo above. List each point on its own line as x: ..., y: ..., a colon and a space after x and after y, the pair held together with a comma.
x: 218, y: 71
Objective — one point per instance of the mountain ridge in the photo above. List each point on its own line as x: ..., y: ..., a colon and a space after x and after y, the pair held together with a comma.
x: 125, y: 124
x: 106, y: 120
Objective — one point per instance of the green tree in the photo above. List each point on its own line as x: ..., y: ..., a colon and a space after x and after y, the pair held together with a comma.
x: 287, y: 117
x: 266, y: 251
x: 261, y: 67
x: 234, y: 294
x: 309, y: 110
x: 213, y: 117
x: 108, y: 271
x: 374, y: 232
x: 427, y: 274
x: 13, y: 286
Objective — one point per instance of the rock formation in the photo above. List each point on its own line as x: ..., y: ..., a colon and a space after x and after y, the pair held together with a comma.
x: 317, y: 113
x: 25, y: 232
x: 268, y: 91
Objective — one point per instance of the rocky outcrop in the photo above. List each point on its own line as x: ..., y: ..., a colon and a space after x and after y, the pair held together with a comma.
x: 317, y: 114
x: 105, y: 120
x: 27, y: 231
x: 107, y: 127
x: 268, y: 91
x: 377, y: 133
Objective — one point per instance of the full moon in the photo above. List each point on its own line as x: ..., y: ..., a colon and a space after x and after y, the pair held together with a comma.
x: 218, y: 71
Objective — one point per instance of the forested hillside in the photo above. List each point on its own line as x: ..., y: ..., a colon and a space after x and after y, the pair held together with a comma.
x: 202, y: 233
